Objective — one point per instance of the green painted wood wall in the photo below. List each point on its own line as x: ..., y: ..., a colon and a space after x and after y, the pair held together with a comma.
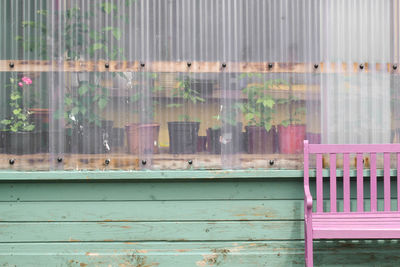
x: 166, y: 219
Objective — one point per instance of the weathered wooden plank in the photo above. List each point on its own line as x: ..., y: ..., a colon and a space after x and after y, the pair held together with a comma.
x: 152, y: 190
x: 224, y: 210
x: 182, y: 66
x: 230, y: 210
x: 271, y: 253
x: 150, y: 231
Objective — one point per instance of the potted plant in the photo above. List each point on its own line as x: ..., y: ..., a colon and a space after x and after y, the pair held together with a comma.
x: 85, y: 97
x: 258, y: 111
x: 142, y: 138
x: 19, y: 134
x: 183, y: 134
x: 291, y: 131
x: 226, y: 136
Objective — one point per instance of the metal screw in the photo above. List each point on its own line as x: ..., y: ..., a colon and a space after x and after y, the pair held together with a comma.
x: 190, y: 162
x: 59, y: 159
x: 189, y: 64
x: 12, y: 161
x: 395, y: 67
x: 270, y: 65
x: 144, y: 162
x: 107, y: 65
x: 142, y: 64
x: 361, y: 66
x: 107, y: 161
x: 11, y: 65
x: 316, y: 66
x: 271, y: 162
x: 224, y: 65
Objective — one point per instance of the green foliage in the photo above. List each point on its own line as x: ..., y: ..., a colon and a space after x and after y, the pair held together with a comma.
x: 294, y: 113
x: 142, y: 85
x: 18, y: 121
x: 188, y: 94
x: 227, y: 115
x: 260, y: 105
x: 77, y: 39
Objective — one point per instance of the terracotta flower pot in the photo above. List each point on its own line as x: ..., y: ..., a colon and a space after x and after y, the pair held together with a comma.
x: 259, y: 140
x: 291, y: 138
x: 142, y: 138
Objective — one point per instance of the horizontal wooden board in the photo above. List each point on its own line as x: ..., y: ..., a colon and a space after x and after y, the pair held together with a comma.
x: 182, y: 66
x: 232, y: 254
x: 150, y: 231
x: 134, y: 211
x: 228, y: 210
x: 152, y: 190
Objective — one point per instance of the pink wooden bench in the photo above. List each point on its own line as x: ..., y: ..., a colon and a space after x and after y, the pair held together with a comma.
x: 349, y: 224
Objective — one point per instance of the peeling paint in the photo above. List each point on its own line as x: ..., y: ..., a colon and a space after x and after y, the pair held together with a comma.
x: 74, y: 240
x: 92, y: 254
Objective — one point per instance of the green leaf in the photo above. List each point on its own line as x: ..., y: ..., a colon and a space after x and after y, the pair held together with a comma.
x: 269, y: 103
x: 6, y: 122
x: 103, y: 103
x: 249, y: 116
x: 97, y: 46
x: 108, y: 7
x: 268, y: 126
x: 17, y: 111
x: 83, y: 89
x: 117, y: 33
x: 68, y: 101
x: 29, y: 127
x: 75, y: 111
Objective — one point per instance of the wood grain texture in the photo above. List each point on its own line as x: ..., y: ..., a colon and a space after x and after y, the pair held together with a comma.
x: 181, y: 66
x: 232, y: 254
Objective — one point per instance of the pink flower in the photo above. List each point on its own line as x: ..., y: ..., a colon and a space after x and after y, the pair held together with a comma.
x: 27, y: 80
x: 20, y: 84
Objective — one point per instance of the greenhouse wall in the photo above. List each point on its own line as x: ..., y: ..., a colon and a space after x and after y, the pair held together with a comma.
x: 169, y: 133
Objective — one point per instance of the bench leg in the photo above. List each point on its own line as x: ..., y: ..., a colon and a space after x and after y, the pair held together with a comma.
x: 308, y: 245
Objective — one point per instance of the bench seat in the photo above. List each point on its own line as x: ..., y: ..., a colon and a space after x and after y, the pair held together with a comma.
x: 354, y: 225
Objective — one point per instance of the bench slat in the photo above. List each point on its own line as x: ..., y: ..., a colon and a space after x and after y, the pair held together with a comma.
x: 360, y: 184
x: 386, y: 181
x: 332, y: 165
x: 346, y: 182
x: 358, y: 148
x: 320, y: 193
x: 373, y: 186
x: 398, y: 181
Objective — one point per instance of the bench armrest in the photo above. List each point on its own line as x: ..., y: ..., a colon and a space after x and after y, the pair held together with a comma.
x: 308, y: 199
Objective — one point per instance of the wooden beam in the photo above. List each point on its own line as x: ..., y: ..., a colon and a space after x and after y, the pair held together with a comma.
x: 189, y: 67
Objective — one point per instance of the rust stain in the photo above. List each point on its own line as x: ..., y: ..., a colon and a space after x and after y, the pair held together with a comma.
x: 182, y: 250
x: 83, y: 264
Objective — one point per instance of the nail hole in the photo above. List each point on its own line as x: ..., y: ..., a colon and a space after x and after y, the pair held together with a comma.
x: 107, y: 161
x: 395, y: 67
x: 12, y: 161
x: 316, y: 66
x: 144, y: 162
x: 224, y: 65
x: 189, y: 64
x: 142, y: 64
x: 270, y: 65
x: 271, y: 162
x: 361, y: 66
x: 59, y: 159
x: 107, y: 65
x: 190, y: 162
x: 11, y: 64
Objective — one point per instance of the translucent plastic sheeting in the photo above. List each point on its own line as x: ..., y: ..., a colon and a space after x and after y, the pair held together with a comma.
x: 186, y: 84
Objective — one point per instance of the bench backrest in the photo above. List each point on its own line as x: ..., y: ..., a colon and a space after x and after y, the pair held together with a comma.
x: 359, y: 151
